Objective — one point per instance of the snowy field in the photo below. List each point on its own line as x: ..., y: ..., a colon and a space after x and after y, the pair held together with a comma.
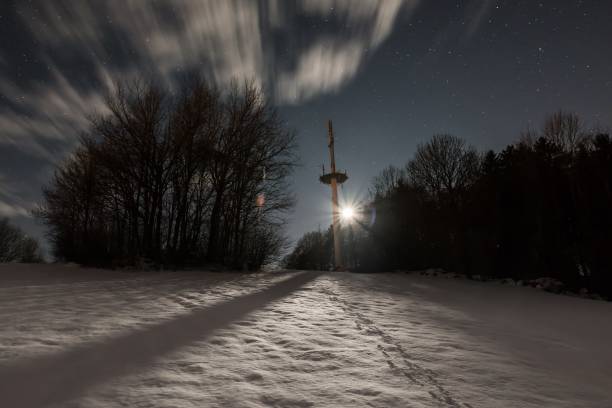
x: 71, y: 337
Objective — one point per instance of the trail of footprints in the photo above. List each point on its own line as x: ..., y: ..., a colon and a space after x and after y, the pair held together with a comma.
x: 415, y: 373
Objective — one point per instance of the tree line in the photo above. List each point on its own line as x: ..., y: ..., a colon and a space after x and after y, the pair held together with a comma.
x: 540, y: 207
x: 174, y: 177
x: 16, y: 246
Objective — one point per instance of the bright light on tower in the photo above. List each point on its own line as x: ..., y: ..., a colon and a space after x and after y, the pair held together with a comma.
x: 347, y: 213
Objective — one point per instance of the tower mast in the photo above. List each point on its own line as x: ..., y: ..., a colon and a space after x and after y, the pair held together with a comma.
x: 333, y: 179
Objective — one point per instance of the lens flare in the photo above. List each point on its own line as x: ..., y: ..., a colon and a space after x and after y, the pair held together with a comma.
x: 347, y: 213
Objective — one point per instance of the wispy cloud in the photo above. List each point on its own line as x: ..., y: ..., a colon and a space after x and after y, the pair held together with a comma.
x: 46, y: 115
x: 330, y: 61
x: 12, y: 210
x: 476, y: 13
x: 10, y: 205
x: 322, y: 68
x: 374, y: 19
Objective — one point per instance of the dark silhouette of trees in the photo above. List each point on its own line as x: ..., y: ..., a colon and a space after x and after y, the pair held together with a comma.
x: 390, y: 179
x: 175, y: 178
x: 312, y: 252
x: 443, y: 167
x: 16, y: 246
x: 541, y: 207
x: 565, y: 130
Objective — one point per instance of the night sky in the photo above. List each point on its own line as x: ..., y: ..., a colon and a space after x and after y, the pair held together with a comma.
x: 390, y: 74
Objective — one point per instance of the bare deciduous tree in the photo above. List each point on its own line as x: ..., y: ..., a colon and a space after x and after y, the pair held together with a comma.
x: 387, y: 181
x: 565, y: 130
x: 444, y: 165
x: 15, y: 246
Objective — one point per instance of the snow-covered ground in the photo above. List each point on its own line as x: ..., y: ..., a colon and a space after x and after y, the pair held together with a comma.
x: 73, y: 337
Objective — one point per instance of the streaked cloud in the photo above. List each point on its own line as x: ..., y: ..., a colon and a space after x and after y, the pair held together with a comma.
x: 14, y: 207
x: 476, y: 13
x: 11, y: 210
x: 322, y: 68
x: 330, y: 62
x: 47, y: 115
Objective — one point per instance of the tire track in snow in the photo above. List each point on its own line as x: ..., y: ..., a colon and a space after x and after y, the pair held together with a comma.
x: 415, y: 373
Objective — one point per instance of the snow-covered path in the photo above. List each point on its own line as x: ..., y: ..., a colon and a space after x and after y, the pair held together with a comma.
x: 77, y: 339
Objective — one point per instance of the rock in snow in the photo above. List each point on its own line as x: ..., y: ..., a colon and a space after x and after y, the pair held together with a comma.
x: 548, y: 284
x: 72, y: 337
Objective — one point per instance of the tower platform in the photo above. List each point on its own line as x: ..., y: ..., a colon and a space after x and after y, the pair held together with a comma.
x: 339, y: 176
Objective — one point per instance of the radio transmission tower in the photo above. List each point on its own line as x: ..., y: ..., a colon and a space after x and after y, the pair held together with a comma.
x: 332, y: 179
